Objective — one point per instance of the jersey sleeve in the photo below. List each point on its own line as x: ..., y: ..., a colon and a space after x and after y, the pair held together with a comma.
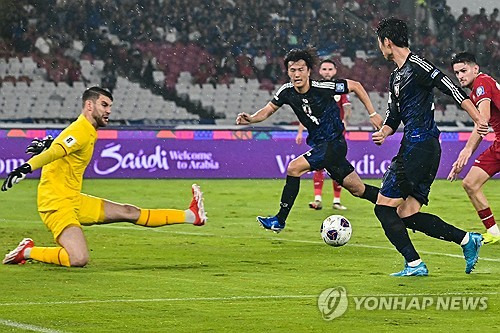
x: 429, y: 75
x: 72, y: 140
x: 344, y: 99
x: 483, y: 90
x: 392, y: 114
x: 279, y: 97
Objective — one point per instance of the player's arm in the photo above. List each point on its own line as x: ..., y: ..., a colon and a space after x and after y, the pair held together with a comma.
x: 347, y: 112
x: 472, y: 143
x: 261, y: 115
x: 359, y: 90
x: 54, y: 152
x: 391, y: 122
x: 298, y: 138
x: 429, y: 75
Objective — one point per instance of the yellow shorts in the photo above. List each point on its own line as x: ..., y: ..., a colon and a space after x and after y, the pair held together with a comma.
x: 89, y: 211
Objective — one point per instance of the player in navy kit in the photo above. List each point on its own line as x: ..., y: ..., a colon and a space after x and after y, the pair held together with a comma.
x: 314, y: 105
x: 406, y: 184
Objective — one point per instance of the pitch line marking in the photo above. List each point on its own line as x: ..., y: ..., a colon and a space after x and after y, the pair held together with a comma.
x: 291, y: 240
x: 228, y: 298
x: 27, y: 327
x: 131, y: 227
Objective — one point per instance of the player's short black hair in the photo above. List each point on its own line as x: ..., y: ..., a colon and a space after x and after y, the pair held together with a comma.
x: 93, y: 94
x: 330, y: 61
x: 394, y: 29
x: 465, y: 57
x: 308, y: 55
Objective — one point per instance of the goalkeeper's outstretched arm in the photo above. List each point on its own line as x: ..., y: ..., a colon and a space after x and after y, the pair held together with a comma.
x: 56, y: 151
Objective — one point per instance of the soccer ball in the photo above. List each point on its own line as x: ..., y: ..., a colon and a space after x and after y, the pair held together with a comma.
x: 336, y: 230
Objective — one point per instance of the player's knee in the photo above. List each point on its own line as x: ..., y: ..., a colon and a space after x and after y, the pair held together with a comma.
x: 469, y: 185
x: 80, y: 259
x: 130, y: 212
x: 293, y: 170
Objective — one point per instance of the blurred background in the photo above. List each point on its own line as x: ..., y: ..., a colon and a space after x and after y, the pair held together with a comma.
x: 179, y: 62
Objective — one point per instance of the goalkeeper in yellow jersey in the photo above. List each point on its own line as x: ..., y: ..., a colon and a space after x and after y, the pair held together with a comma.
x: 64, y: 209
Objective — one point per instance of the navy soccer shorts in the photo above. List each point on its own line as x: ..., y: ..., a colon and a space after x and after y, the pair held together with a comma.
x: 331, y: 156
x: 412, y: 170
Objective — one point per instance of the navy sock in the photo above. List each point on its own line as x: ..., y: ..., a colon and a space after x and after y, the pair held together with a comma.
x: 371, y: 193
x: 434, y: 226
x: 395, y: 230
x: 290, y: 192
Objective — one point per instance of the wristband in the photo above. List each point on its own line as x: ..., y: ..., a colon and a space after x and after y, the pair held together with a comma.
x: 373, y: 114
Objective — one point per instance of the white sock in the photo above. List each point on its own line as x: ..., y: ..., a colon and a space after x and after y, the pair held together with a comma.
x: 27, y: 253
x: 415, y: 263
x: 494, y: 230
x: 466, y: 239
x: 317, y: 198
x: 336, y: 200
x: 189, y: 216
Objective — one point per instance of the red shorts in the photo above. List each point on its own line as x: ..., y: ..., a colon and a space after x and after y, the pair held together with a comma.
x: 489, y: 160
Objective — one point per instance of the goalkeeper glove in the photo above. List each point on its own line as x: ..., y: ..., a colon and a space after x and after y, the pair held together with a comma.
x: 38, y: 146
x: 16, y: 176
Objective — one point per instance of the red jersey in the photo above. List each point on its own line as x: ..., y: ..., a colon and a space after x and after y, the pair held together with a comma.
x: 486, y: 88
x: 341, y: 101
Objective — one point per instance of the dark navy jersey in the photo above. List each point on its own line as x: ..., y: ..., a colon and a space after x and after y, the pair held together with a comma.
x: 316, y: 109
x: 411, y: 99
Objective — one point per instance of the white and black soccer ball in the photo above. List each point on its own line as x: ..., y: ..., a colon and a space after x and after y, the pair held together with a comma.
x: 336, y: 230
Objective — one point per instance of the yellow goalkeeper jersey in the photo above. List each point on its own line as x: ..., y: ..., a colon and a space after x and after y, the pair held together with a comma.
x: 61, y: 180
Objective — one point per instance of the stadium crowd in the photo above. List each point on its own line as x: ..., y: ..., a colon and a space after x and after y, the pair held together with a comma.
x: 241, y: 38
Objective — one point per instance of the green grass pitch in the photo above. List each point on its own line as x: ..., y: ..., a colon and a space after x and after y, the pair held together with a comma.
x: 233, y: 276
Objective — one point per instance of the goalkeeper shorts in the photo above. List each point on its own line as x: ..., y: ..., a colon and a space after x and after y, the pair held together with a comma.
x: 89, y: 211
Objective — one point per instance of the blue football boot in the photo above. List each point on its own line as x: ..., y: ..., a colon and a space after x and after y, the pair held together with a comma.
x: 471, y: 251
x: 419, y: 270
x: 271, y: 223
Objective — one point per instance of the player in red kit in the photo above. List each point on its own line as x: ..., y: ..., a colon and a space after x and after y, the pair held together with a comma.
x: 486, y: 97
x: 328, y: 70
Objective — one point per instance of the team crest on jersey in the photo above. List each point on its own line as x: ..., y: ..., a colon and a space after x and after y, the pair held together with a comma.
x: 435, y: 73
x: 336, y: 98
x: 69, y: 141
x: 479, y: 91
x: 339, y: 87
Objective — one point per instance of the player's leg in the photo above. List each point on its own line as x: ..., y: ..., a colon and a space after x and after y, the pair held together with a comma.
x: 395, y: 231
x: 339, y: 169
x: 296, y: 168
x: 72, y: 252
x: 434, y: 226
x: 63, y: 224
x: 391, y: 196
x: 473, y: 184
x: 318, y: 180
x: 429, y: 224
x: 95, y: 210
x: 353, y: 183
x: 336, y: 196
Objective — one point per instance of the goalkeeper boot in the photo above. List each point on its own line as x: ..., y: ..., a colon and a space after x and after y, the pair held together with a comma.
x: 16, y: 256
x: 489, y: 238
x: 271, y: 223
x: 419, y: 270
x: 197, y: 206
x: 471, y: 251
x: 316, y: 205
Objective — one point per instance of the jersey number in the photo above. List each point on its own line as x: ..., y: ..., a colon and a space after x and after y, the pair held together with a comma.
x: 308, y: 112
